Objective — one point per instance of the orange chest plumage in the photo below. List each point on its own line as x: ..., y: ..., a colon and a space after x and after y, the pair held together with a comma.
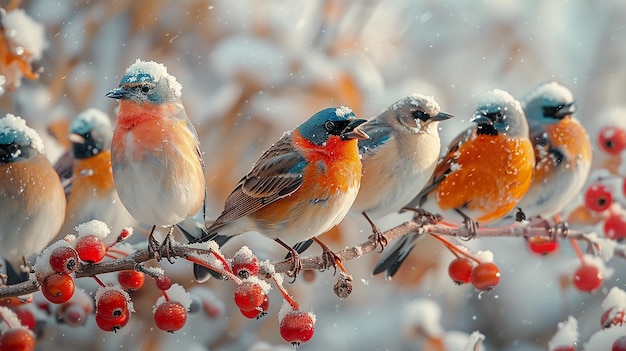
x: 570, y: 138
x: 489, y: 174
x: 332, y: 170
x: 146, y: 130
x: 94, y: 174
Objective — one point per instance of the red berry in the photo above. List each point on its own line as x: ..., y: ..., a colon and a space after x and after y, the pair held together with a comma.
x: 485, y: 276
x: 249, y: 295
x: 58, y: 287
x: 64, y: 259
x: 26, y: 317
x: 565, y: 348
x: 112, y: 304
x: 297, y: 327
x: 588, y: 278
x: 17, y: 339
x: 90, y: 248
x: 615, y: 227
x: 542, y: 245
x: 130, y: 280
x: 260, y: 312
x: 72, y: 314
x: 619, y: 344
x: 612, y: 140
x: 613, y: 316
x: 112, y: 325
x: 460, y: 270
x: 598, y: 198
x: 245, y: 263
x: 163, y: 282
x: 170, y: 316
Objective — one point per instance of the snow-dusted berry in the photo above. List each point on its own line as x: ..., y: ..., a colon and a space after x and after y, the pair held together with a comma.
x: 612, y: 140
x: 249, y: 295
x: 259, y: 312
x: 598, y: 197
x: 297, y: 327
x: 245, y: 263
x: 542, y: 245
x: 615, y: 226
x: 18, y: 339
x: 64, y: 259
x: 112, y: 325
x: 131, y: 279
x: 90, y: 248
x: 111, y: 304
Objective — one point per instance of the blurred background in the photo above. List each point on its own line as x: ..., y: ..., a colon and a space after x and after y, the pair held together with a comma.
x: 252, y: 69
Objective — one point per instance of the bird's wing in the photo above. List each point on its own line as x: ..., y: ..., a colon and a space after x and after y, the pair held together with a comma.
x: 65, y: 169
x: 278, y: 173
x: 379, y: 133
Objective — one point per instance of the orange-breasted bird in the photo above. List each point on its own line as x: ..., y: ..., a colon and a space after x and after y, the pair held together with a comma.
x: 90, y: 191
x: 399, y: 157
x: 487, y: 170
x: 32, y: 200
x: 155, y: 153
x: 562, y: 151
x: 301, y: 187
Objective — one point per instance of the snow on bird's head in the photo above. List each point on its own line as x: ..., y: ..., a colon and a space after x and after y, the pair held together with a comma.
x: 151, y: 72
x: 551, y: 92
x: 28, y: 34
x: 498, y: 111
x: 499, y: 98
x: 13, y: 129
x: 343, y: 111
x: 90, y: 119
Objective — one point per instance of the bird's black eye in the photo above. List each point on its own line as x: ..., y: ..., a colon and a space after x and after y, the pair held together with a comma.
x: 329, y: 126
x: 494, y: 116
x: 551, y: 111
x: 419, y: 114
x: 145, y: 88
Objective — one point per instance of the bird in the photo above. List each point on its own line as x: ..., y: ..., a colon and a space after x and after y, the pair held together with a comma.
x: 31, y: 195
x: 90, y: 190
x: 299, y: 188
x: 398, y: 158
x: 156, y: 160
x: 562, y: 151
x: 486, y: 171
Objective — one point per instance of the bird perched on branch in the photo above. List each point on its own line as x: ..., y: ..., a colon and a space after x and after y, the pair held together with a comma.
x: 90, y: 190
x: 32, y: 200
x: 562, y: 151
x: 486, y: 171
x: 300, y: 187
x: 399, y: 157
x: 155, y: 153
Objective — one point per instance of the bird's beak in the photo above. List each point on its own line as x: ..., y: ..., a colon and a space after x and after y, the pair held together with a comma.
x: 118, y: 93
x: 351, y: 131
x: 566, y: 110
x: 442, y: 116
x: 76, y: 138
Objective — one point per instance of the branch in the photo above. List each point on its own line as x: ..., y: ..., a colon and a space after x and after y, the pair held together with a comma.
x: 418, y: 226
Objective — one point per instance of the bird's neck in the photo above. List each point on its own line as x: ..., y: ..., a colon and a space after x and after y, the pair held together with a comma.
x: 334, y: 148
x: 132, y: 113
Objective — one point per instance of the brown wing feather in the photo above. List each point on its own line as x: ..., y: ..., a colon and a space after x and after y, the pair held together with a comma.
x: 271, y: 178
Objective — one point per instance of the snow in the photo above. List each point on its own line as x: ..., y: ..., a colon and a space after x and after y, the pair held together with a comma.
x: 101, y: 290
x: 615, y: 297
x: 175, y: 293
x: 151, y: 71
x: 93, y: 227
x: 14, y: 129
x: 343, y: 111
x: 551, y: 91
x: 604, y: 339
x: 243, y: 255
x: 25, y: 32
x: 265, y: 286
x: 42, y: 266
x: 284, y: 309
x: 89, y: 119
x: 566, y: 335
x: 8, y: 316
x: 424, y: 314
x: 498, y: 97
x: 428, y: 103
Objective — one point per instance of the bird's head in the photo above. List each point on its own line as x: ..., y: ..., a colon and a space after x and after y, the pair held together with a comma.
x: 90, y: 133
x: 417, y: 112
x: 548, y: 103
x: 329, y: 122
x: 499, y: 113
x: 147, y: 81
x: 18, y: 142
